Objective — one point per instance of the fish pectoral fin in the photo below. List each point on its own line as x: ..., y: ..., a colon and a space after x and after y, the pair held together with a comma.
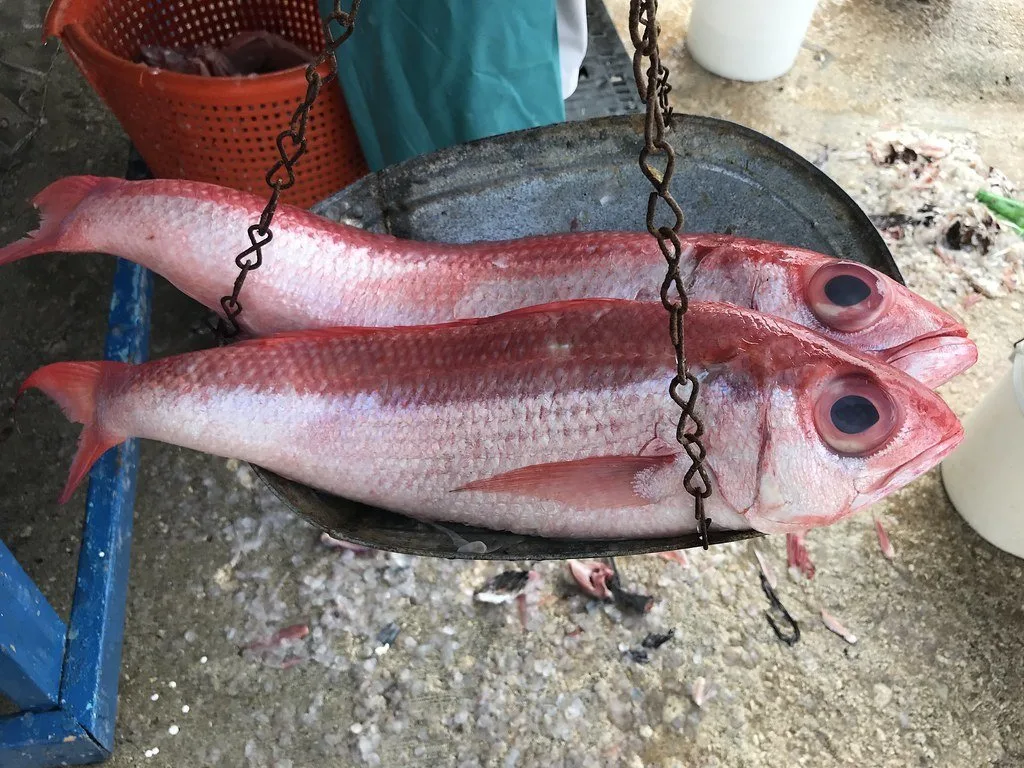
x: 598, y: 482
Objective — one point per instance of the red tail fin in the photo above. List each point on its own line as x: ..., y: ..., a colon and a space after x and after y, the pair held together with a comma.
x: 74, y: 386
x: 55, y: 203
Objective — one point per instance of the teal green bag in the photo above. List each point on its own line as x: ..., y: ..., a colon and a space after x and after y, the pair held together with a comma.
x: 420, y: 75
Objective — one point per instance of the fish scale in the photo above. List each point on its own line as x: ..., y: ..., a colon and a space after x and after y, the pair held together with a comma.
x: 321, y: 273
x: 553, y: 420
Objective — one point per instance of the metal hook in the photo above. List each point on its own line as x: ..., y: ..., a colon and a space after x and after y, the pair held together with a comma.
x: 703, y: 522
x: 776, y: 604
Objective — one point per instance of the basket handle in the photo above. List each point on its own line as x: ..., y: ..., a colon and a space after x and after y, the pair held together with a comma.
x: 64, y: 20
x: 62, y: 13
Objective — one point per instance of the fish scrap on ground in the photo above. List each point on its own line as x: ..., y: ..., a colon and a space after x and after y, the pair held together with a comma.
x: 888, y: 552
x: 511, y: 586
x: 601, y: 580
x: 506, y: 586
x: 834, y: 625
x: 293, y: 632
x: 920, y: 189
x: 652, y: 642
x: 592, y: 577
x: 278, y: 646
x: 797, y: 555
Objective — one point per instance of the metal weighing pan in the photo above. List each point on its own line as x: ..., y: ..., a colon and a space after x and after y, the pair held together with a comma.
x: 581, y: 175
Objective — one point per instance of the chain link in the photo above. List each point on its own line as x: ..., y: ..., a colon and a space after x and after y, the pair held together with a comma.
x: 653, y: 86
x: 291, y: 146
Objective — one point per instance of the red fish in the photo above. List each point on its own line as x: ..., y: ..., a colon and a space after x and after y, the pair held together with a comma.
x: 539, y: 421
x: 319, y: 273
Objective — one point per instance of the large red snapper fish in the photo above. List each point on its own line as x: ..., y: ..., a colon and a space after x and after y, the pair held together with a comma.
x: 541, y: 421
x: 320, y: 273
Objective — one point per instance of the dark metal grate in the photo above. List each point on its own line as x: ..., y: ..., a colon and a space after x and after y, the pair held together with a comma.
x: 606, y: 76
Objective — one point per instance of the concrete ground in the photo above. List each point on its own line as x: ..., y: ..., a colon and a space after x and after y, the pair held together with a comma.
x: 934, y: 679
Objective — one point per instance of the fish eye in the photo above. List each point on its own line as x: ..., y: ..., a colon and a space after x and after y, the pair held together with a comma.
x: 847, y: 296
x: 847, y: 290
x: 855, y: 416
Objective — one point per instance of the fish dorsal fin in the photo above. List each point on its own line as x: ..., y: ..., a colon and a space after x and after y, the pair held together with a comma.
x: 341, y: 332
x: 310, y: 334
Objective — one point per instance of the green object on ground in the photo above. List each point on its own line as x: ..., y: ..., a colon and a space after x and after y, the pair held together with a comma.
x: 1005, y: 207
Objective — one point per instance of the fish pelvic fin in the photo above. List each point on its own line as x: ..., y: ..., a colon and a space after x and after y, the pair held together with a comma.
x: 598, y: 482
x: 74, y: 387
x: 56, y: 204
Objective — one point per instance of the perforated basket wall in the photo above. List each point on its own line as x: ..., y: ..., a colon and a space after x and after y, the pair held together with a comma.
x: 214, y: 129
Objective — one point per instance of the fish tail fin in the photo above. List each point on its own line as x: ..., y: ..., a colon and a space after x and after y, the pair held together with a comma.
x: 56, y: 204
x: 74, y: 386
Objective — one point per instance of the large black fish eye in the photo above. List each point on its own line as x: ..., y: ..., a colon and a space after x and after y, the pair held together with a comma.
x: 846, y: 296
x: 853, y: 414
x: 847, y: 290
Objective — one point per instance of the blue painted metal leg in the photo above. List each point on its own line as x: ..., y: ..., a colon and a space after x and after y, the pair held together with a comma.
x: 46, y: 739
x: 81, y: 729
x: 31, y: 640
x: 93, y: 661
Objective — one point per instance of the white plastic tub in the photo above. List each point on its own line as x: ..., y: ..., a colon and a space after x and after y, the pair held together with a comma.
x: 751, y: 40
x: 984, y: 476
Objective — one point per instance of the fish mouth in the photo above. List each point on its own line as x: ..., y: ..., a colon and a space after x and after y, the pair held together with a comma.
x: 913, y: 469
x: 933, y: 360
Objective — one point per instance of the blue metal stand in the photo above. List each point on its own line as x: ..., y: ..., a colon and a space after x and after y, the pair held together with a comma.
x: 65, y: 679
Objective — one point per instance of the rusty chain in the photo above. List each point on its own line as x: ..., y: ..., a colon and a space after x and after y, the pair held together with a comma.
x: 644, y: 33
x: 653, y: 87
x: 291, y: 146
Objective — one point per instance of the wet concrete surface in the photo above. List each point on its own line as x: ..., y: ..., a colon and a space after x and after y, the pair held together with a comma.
x: 935, y: 676
x: 942, y: 65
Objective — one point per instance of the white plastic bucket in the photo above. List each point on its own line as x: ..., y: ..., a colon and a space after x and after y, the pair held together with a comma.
x: 750, y: 40
x: 984, y: 476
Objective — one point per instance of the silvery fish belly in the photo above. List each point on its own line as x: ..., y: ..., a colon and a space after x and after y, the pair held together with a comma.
x: 319, y: 273
x: 553, y: 420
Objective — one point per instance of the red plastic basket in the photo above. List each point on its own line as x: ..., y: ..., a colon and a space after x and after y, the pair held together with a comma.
x: 214, y: 129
